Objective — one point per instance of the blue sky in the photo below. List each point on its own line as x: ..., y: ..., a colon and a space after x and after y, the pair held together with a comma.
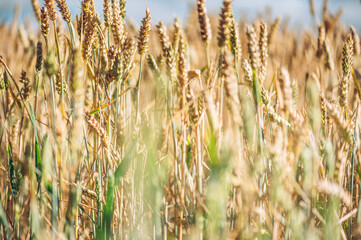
x: 166, y: 10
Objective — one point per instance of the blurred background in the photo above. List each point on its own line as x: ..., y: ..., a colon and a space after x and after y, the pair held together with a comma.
x: 165, y: 10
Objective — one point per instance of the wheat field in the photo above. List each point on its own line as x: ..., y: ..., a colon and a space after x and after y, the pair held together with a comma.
x: 214, y: 128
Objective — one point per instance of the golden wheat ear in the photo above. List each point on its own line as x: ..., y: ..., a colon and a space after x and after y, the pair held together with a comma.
x: 144, y: 31
x: 50, y: 6
x: 39, y: 56
x: 253, y: 48
x: 347, y: 54
x: 234, y: 40
x: 205, y: 26
x: 108, y: 14
x: 118, y: 25
x: 64, y: 10
x: 225, y: 18
x: 26, y: 85
x: 44, y: 22
x: 274, y: 27
x: 263, y: 46
x: 356, y: 41
x: 320, y: 40
x: 36, y: 8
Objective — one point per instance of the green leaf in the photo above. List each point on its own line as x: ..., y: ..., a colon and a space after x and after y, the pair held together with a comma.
x: 125, y: 163
x: 110, y: 102
x: 109, y: 208
x: 32, y: 119
x: 113, y: 181
x: 38, y: 163
x: 4, y: 221
x: 257, y: 96
x: 204, y: 68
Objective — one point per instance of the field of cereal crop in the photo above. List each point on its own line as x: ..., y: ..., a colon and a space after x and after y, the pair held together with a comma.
x: 216, y: 127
